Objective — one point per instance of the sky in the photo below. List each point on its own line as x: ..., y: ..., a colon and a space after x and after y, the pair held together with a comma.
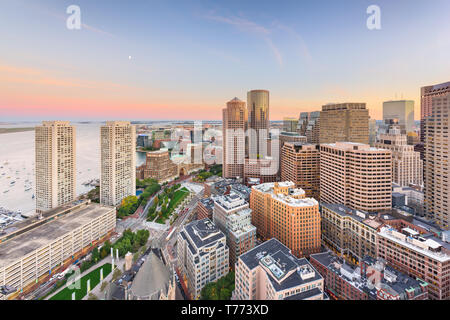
x: 183, y: 60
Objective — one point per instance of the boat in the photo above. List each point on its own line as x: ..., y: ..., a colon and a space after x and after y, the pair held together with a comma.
x: 32, y: 197
x: 5, y: 191
x: 28, y: 189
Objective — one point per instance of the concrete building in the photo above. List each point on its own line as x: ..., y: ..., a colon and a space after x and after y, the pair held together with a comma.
x: 372, y: 280
x: 271, y: 272
x: 231, y: 214
x: 436, y: 121
x: 403, y: 111
x: 34, y: 249
x: 300, y: 163
x: 424, y: 257
x: 234, y: 125
x: 55, y: 160
x: 118, y: 162
x: 406, y: 163
x: 284, y: 137
x: 258, y: 123
x: 349, y: 233
x: 280, y: 210
x: 356, y: 175
x: 203, y: 255
x: 344, y: 122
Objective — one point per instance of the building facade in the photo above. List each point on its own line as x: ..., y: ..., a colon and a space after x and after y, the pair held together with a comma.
x: 158, y: 166
x: 426, y: 258
x: 344, y: 122
x: 202, y: 255
x: 300, y: 163
x: 372, y: 280
x: 39, y: 246
x: 280, y: 210
x: 118, y: 162
x: 406, y: 163
x: 232, y: 215
x: 234, y: 124
x: 436, y: 121
x: 258, y: 123
x: 403, y: 111
x: 55, y: 161
x: 356, y: 175
x: 271, y: 272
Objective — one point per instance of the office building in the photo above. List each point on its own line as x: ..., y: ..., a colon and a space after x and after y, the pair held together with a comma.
x: 55, y: 160
x: 232, y: 215
x: 372, y: 132
x: 118, y: 162
x: 202, y: 255
x: 344, y: 122
x: 290, y: 124
x: 234, y: 128
x: 436, y: 121
x: 403, y: 111
x: 356, y: 175
x: 406, y: 164
x: 300, y: 163
x: 424, y: 257
x: 37, y: 248
x: 270, y: 272
x: 282, y: 211
x: 258, y: 123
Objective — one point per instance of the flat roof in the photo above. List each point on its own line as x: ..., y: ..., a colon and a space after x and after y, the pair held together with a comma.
x: 25, y: 243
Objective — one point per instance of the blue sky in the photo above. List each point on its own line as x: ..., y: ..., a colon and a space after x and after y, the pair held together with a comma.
x: 190, y: 57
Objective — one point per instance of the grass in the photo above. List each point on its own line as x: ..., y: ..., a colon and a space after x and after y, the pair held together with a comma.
x: 94, y: 275
x: 177, y: 198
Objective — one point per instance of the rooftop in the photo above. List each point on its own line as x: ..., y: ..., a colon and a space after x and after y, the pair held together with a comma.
x: 284, y: 269
x: 42, y: 234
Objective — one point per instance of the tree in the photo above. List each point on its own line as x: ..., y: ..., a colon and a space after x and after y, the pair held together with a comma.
x: 92, y: 297
x: 116, y: 274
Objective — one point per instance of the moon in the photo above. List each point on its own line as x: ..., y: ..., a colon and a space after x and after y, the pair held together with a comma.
x: 129, y: 57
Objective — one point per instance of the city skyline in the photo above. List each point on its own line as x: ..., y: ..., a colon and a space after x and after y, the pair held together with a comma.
x: 156, y: 60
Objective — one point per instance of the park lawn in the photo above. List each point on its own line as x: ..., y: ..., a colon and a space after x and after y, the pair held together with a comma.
x: 94, y: 275
x: 177, y: 198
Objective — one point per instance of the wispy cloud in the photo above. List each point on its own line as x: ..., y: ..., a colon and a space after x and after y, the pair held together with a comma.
x: 247, y: 26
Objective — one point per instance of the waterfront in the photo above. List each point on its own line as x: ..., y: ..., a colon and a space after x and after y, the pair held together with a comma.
x: 17, y: 164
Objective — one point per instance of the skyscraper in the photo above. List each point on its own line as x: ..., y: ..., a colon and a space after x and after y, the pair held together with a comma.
x: 118, y: 162
x: 406, y: 163
x: 300, y: 163
x: 309, y: 126
x: 55, y: 164
x: 436, y: 114
x: 258, y: 122
x: 403, y: 111
x: 234, y: 127
x: 290, y: 124
x: 356, y: 175
x: 344, y: 122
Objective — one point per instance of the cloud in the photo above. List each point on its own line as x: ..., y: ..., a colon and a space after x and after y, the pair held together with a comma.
x: 247, y: 26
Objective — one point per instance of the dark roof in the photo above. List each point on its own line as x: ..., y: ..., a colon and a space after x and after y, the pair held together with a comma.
x: 202, y: 232
x: 305, y: 294
x: 285, y: 268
